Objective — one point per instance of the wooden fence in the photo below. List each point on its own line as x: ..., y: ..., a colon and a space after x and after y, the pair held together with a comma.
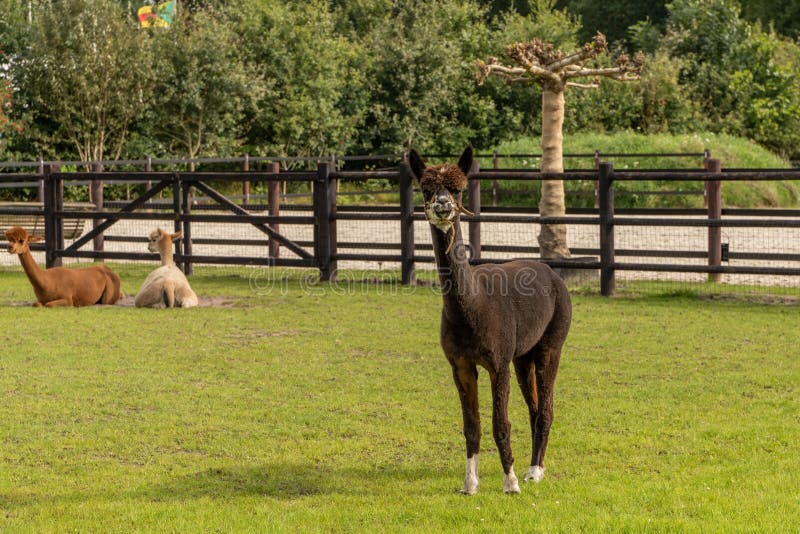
x: 322, y: 251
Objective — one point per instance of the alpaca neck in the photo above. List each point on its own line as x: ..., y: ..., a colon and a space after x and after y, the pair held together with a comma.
x: 455, y: 273
x: 165, y: 250
x: 32, y: 269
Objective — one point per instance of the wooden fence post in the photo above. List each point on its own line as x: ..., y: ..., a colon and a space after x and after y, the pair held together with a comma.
x: 596, y: 184
x: 406, y: 224
x: 148, y: 167
x: 474, y: 205
x: 96, y: 196
x: 322, y: 222
x: 333, y: 193
x: 495, y: 166
x: 606, y: 203
x: 274, y: 201
x: 177, y: 225
x: 58, y: 206
x: 246, y: 183
x: 706, y: 158
x: 714, y: 197
x: 51, y: 220
x: 186, y: 201
x: 40, y: 194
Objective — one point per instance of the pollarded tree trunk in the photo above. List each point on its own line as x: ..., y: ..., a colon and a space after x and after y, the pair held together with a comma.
x: 553, y: 237
x: 539, y: 62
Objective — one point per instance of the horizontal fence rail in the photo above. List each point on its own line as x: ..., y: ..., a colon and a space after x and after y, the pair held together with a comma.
x: 192, y: 203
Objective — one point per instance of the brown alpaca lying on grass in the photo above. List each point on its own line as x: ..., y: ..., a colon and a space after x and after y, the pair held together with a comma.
x: 58, y: 286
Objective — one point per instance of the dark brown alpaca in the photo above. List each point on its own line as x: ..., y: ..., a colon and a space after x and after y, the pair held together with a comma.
x: 58, y: 286
x: 493, y: 315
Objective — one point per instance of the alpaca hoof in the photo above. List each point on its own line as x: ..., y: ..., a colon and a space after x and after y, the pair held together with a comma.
x: 470, y: 487
x: 535, y: 474
x: 510, y: 483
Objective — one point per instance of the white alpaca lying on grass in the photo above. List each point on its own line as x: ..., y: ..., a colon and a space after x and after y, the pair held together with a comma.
x: 166, y: 286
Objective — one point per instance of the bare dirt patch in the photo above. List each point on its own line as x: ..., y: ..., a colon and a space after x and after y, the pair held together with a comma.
x: 203, y: 302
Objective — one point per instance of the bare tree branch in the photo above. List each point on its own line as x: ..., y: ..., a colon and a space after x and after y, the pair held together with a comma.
x: 609, y: 72
x: 539, y: 61
x: 587, y: 51
x: 593, y: 85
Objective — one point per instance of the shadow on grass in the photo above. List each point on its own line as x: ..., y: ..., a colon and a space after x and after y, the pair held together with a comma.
x: 278, y: 481
x: 283, y: 481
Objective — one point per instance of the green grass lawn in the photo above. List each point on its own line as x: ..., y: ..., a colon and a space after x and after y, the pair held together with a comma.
x: 298, y: 407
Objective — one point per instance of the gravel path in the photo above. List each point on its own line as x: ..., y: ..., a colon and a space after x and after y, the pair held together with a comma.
x: 783, y: 240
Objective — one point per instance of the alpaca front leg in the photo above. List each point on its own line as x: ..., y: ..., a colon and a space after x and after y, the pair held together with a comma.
x: 58, y: 302
x: 465, y: 376
x: 501, y: 428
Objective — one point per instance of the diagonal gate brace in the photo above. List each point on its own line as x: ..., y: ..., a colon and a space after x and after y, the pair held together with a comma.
x: 105, y: 225
x: 220, y: 198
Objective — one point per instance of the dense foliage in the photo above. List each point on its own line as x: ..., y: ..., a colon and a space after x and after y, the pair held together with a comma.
x: 80, y: 79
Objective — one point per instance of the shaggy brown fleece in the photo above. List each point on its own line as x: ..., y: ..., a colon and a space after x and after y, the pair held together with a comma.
x: 438, y: 176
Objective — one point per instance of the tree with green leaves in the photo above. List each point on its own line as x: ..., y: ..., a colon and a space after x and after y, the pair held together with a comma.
x: 782, y: 15
x: 537, y: 62
x: 205, y: 87
x: 614, y: 17
x: 708, y: 35
x: 82, y: 78
x: 745, y: 80
x: 312, y: 99
x: 7, y: 127
x: 14, y: 16
x: 419, y: 78
x: 765, y: 91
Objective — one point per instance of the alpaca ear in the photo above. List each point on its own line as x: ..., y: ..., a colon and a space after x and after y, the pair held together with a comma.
x: 35, y: 239
x: 416, y: 163
x: 176, y: 236
x: 465, y: 161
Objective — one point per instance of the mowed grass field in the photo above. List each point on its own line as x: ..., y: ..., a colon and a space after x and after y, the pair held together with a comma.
x: 295, y: 407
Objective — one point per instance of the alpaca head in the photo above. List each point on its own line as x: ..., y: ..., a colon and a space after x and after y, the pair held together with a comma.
x: 18, y: 240
x: 159, y: 236
x: 442, y: 186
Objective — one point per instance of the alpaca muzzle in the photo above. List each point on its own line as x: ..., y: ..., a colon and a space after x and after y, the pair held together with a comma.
x: 443, y: 209
x: 440, y: 216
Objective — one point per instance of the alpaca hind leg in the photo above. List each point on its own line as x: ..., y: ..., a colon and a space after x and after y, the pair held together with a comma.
x: 465, y: 376
x: 501, y: 426
x: 526, y: 378
x: 546, y: 364
x: 111, y: 292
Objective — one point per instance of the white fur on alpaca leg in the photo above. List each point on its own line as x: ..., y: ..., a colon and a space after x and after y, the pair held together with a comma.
x: 534, y: 473
x: 471, y: 478
x: 510, y: 482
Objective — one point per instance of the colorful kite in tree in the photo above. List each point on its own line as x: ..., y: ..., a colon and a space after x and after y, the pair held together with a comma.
x: 157, y: 16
